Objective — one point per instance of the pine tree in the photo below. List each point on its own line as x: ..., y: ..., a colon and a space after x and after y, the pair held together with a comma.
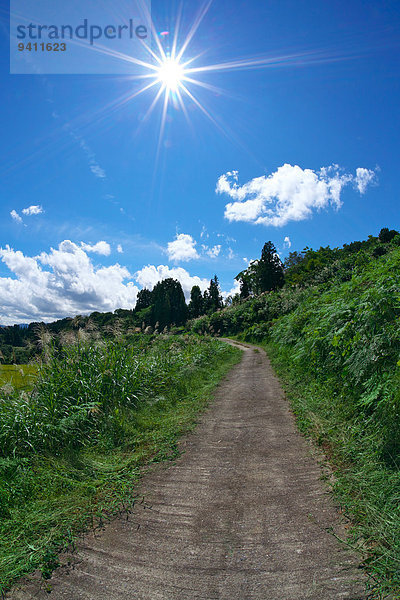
x: 262, y: 275
x: 269, y: 269
x: 196, y: 304
x: 212, y: 296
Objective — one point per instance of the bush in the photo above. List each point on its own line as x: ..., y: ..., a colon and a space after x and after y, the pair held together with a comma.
x: 82, y: 394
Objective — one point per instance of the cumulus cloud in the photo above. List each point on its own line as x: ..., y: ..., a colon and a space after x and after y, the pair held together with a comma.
x: 287, y: 242
x: 289, y: 194
x: 183, y: 248
x: 150, y: 275
x: 120, y: 250
x: 29, y: 211
x: 59, y: 283
x: 15, y: 216
x: 32, y: 210
x: 100, y: 248
x: 64, y: 282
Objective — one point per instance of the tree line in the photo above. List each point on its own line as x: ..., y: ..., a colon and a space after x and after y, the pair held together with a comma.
x: 165, y: 306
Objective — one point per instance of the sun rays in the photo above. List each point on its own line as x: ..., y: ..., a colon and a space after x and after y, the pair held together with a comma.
x: 173, y: 77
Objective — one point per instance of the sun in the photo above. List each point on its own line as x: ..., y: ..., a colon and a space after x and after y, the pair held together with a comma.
x: 170, y: 73
x: 174, y: 77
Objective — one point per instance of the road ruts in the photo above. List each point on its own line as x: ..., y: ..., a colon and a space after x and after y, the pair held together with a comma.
x: 242, y: 515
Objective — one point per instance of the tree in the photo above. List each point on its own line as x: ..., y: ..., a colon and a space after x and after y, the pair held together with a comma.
x: 386, y: 235
x: 143, y: 299
x: 168, y: 304
x: 196, y: 304
x: 265, y: 274
x: 248, y: 278
x: 212, y: 296
x: 379, y: 251
x: 295, y: 259
x: 244, y: 289
x: 269, y: 269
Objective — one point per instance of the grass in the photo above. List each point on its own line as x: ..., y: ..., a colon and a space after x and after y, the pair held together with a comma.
x: 21, y: 377
x: 336, y: 346
x: 49, y: 493
x: 367, y: 487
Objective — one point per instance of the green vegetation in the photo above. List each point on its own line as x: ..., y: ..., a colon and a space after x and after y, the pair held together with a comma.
x: 332, y: 333
x: 160, y: 310
x: 263, y: 275
x: 73, y: 448
x: 340, y: 353
x: 162, y: 306
x: 20, y: 377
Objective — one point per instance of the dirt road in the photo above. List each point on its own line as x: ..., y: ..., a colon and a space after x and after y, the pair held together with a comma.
x: 242, y: 515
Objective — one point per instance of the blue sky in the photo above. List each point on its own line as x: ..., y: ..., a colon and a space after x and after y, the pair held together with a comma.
x: 310, y: 146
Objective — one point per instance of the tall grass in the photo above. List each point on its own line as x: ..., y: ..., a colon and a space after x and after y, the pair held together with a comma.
x: 336, y: 345
x: 72, y: 449
x: 366, y: 479
x: 340, y: 354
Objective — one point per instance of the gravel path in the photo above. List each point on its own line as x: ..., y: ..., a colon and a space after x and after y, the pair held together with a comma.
x: 242, y: 515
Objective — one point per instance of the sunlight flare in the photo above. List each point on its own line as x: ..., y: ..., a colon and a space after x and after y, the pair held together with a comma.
x: 174, y: 78
x: 171, y: 73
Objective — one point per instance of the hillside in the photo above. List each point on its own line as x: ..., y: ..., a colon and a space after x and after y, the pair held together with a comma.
x: 332, y: 334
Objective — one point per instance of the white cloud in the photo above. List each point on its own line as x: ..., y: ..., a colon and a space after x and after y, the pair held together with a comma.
x: 227, y: 238
x: 182, y: 248
x: 120, y: 250
x: 59, y: 283
x: 363, y: 178
x: 32, y: 210
x: 232, y: 292
x: 100, y: 248
x: 212, y: 252
x: 203, y: 233
x: 93, y: 164
x: 98, y: 171
x: 289, y: 194
x: 15, y: 216
x: 231, y: 254
x: 287, y: 243
x: 64, y: 282
x: 150, y: 275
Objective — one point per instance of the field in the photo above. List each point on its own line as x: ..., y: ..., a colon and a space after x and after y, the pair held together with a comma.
x: 21, y: 377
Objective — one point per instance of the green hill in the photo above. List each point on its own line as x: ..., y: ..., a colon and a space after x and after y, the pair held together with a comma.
x: 332, y: 333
